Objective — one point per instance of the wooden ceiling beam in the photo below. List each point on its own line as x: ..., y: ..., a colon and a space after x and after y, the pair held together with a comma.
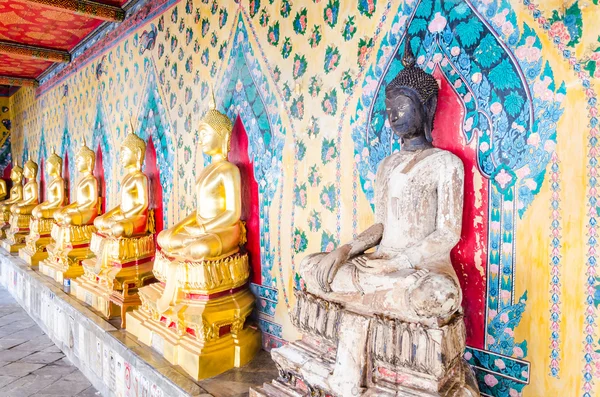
x: 87, y: 8
x: 29, y: 51
x: 17, y: 81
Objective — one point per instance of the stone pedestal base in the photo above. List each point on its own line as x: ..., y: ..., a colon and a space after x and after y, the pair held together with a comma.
x: 346, y: 354
x: 15, y: 235
x: 111, y: 286
x: 205, y: 331
x: 37, y: 241
x: 65, y: 256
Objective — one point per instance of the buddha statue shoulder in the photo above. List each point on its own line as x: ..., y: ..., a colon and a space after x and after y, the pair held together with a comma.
x: 55, y: 190
x: 130, y: 217
x: 401, y: 265
x: 85, y: 208
x: 30, y: 191
x: 16, y: 191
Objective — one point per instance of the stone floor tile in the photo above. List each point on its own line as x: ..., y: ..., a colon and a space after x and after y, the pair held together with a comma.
x: 89, y: 392
x: 5, y: 380
x: 42, y: 358
x: 20, y: 369
x: 52, y: 349
x: 36, y: 344
x: 12, y: 355
x: 64, y: 388
x: 28, y: 385
x: 55, y: 370
x: 64, y: 361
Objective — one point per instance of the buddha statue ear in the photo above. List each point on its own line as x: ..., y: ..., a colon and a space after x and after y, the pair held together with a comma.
x: 430, y: 108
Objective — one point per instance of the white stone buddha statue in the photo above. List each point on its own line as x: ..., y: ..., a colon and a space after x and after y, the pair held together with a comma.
x: 381, y: 315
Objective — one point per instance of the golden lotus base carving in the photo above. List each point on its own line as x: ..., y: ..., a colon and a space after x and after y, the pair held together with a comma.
x: 111, y: 280
x: 65, y: 256
x: 16, y: 233
x: 37, y: 241
x: 205, y: 331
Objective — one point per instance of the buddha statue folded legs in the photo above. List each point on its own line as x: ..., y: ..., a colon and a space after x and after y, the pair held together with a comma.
x: 74, y: 224
x: 196, y: 316
x: 381, y: 315
x: 123, y: 245
x: 42, y: 215
x: 16, y: 194
x: 20, y: 211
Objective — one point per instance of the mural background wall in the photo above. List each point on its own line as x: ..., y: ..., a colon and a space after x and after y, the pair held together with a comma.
x: 518, y: 105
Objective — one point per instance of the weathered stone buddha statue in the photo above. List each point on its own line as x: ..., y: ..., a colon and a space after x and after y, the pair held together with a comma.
x: 381, y: 315
x: 16, y: 195
x: 198, y: 310
x: 42, y: 216
x: 123, y: 244
x: 20, y: 211
x: 74, y: 224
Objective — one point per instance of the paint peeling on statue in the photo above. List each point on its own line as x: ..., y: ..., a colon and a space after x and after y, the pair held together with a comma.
x: 381, y: 315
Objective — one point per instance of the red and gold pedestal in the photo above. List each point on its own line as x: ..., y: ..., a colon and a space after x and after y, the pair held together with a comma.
x: 65, y: 255
x: 16, y: 233
x: 111, y: 280
x: 206, y: 331
x: 37, y: 241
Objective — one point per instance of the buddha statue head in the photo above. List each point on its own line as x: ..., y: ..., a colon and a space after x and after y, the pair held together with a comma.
x: 133, y: 152
x: 86, y: 159
x: 215, y: 132
x: 16, y: 174
x: 411, y: 101
x: 54, y: 163
x: 30, y: 169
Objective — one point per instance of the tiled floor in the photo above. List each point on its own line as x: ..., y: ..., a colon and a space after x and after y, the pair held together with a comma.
x: 30, y: 364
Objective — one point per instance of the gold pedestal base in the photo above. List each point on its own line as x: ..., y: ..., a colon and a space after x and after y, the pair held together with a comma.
x: 203, y: 329
x: 37, y: 241
x: 111, y: 286
x: 72, y: 246
x: 204, y: 337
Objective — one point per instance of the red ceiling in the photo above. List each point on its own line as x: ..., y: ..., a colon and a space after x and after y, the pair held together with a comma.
x: 31, y: 24
x: 43, y: 26
x: 14, y: 66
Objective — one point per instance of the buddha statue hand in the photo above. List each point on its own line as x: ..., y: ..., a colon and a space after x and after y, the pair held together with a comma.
x: 378, y: 263
x: 329, y: 265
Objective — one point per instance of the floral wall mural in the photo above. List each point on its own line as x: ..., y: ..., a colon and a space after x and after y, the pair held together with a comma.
x: 518, y: 105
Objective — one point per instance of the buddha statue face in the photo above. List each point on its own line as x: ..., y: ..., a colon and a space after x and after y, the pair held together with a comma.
x: 85, y: 159
x: 411, y: 101
x: 132, y: 152
x: 210, y: 142
x: 16, y: 174
x: 405, y: 113
x: 30, y: 170
x: 54, y: 165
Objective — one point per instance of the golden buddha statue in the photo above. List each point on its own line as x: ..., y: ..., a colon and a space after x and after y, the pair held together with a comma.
x: 42, y: 214
x: 16, y: 194
x: 20, y: 211
x: 123, y: 245
x: 2, y: 189
x: 74, y: 226
x: 199, y: 308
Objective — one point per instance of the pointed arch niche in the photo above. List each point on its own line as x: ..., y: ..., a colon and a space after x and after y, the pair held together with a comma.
x: 247, y: 99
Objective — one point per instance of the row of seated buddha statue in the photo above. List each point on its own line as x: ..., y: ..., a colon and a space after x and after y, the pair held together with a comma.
x: 379, y: 316
x: 184, y: 291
